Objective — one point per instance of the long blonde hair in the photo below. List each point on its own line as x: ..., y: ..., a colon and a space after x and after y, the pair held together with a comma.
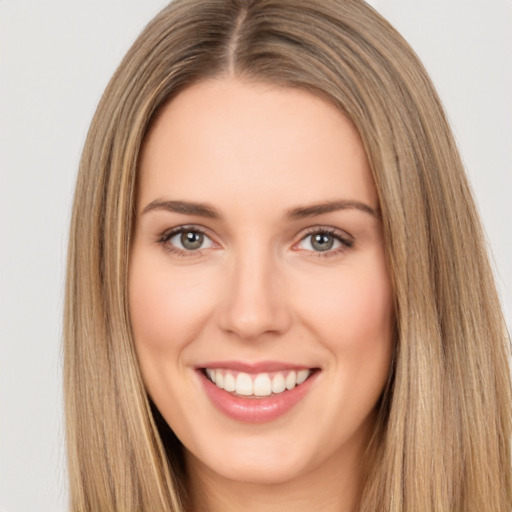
x: 442, y: 440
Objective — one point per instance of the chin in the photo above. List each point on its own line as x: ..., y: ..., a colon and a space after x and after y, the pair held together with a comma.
x: 254, y: 460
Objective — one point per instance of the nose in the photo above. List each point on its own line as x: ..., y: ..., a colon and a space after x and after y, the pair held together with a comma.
x: 255, y: 301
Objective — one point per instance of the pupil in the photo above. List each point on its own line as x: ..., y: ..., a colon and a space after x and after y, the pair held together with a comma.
x: 192, y: 240
x: 322, y: 242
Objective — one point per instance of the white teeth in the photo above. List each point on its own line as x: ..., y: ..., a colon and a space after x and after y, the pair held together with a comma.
x: 262, y: 385
x: 243, y: 384
x: 291, y: 380
x: 257, y: 385
x: 229, y: 382
x: 278, y: 383
x: 302, y: 375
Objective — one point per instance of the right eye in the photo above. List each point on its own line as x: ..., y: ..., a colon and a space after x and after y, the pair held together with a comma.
x: 185, y: 239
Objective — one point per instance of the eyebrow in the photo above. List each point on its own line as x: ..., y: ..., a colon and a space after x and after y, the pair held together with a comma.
x: 299, y: 212
x: 313, y: 210
x: 185, y: 207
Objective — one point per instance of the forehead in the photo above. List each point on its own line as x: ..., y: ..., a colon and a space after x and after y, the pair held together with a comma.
x: 233, y: 141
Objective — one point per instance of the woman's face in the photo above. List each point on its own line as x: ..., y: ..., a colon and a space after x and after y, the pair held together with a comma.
x: 258, y: 261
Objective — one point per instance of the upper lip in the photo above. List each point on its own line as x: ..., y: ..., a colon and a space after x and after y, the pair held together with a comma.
x: 254, y: 367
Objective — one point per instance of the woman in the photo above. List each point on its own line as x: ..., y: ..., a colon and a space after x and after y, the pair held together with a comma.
x: 278, y: 294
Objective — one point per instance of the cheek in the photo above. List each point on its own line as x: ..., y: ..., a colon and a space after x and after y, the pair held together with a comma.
x: 353, y: 318
x: 168, y: 305
x: 355, y: 302
x: 352, y: 314
x: 367, y: 309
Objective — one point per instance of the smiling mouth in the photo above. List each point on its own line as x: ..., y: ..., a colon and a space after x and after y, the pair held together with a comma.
x: 257, y: 385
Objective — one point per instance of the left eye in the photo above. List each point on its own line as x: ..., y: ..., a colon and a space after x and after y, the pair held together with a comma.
x: 322, y: 241
x: 189, y: 240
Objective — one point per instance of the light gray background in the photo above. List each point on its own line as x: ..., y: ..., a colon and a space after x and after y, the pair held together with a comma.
x: 56, y: 57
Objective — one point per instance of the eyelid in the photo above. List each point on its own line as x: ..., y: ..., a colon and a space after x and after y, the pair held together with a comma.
x: 346, y: 240
x: 168, y: 234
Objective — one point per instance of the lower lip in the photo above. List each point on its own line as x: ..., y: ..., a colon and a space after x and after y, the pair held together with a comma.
x: 255, y: 410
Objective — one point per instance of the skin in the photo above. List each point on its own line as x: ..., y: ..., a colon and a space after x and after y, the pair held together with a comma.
x: 258, y: 290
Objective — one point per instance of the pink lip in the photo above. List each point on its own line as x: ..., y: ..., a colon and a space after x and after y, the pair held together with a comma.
x: 254, y: 410
x: 259, y: 367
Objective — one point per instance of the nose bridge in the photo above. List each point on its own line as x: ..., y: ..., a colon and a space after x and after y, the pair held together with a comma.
x: 255, y: 300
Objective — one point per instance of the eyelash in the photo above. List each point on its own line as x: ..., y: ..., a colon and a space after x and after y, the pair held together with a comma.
x: 167, y: 235
x: 345, y: 242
